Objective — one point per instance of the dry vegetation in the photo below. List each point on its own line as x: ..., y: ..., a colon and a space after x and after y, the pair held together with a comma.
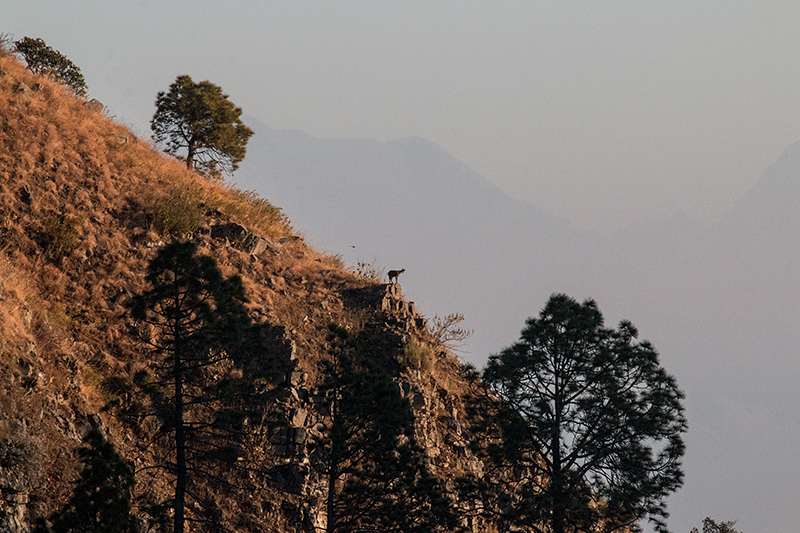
x: 84, y: 205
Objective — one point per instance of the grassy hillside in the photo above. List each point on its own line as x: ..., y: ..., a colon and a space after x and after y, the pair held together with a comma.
x: 84, y: 207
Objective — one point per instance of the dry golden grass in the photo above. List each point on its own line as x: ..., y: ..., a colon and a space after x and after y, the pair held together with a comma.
x: 84, y: 206
x: 14, y: 291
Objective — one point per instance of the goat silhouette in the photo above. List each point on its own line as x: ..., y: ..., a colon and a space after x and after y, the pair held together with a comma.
x: 394, y: 273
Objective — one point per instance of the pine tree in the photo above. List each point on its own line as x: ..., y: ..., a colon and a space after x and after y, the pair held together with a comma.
x: 376, y: 479
x: 199, y: 119
x: 45, y: 60
x: 711, y: 526
x: 191, y: 317
x: 593, y: 422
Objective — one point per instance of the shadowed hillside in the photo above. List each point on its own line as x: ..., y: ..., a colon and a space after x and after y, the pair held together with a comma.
x: 84, y: 208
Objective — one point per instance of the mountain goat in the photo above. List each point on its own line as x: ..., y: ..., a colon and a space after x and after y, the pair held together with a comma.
x: 394, y: 273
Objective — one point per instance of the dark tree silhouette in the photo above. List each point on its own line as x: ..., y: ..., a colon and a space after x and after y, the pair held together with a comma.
x: 376, y: 479
x: 199, y: 119
x: 190, y: 317
x: 593, y: 422
x: 101, y: 501
x: 710, y: 526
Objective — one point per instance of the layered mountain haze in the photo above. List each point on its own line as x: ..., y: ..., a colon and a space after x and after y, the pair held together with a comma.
x: 721, y: 302
x: 409, y: 204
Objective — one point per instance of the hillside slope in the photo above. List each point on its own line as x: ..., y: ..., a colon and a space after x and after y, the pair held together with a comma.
x: 84, y: 207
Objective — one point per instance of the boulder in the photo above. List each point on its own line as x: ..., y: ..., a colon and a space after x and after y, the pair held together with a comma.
x: 229, y: 230
x: 253, y: 244
x: 297, y: 417
x: 243, y: 239
x: 95, y: 105
x: 297, y: 378
x: 300, y: 436
x: 418, y: 401
x: 24, y: 89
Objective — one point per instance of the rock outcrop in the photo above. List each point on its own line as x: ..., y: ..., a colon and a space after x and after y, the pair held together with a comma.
x: 95, y: 105
x: 241, y: 238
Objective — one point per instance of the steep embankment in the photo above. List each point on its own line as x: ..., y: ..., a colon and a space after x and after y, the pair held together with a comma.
x: 84, y: 207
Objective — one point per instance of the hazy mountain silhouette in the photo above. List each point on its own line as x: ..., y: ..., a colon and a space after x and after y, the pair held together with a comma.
x: 409, y: 204
x: 721, y: 302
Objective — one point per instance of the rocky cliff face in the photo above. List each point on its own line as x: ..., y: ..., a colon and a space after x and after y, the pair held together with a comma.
x: 84, y: 207
x: 434, y: 393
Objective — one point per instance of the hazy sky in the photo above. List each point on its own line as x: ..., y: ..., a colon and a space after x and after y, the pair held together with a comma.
x: 605, y: 112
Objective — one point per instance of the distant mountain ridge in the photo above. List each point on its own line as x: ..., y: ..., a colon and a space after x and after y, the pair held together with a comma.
x: 775, y: 198
x: 393, y: 174
x: 404, y: 204
x: 720, y: 301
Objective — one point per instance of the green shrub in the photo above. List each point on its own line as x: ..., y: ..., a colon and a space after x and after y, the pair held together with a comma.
x: 60, y: 235
x: 180, y: 213
x: 92, y: 376
x: 416, y: 355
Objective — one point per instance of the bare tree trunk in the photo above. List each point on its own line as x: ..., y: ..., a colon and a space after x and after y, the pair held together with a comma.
x: 190, y: 149
x: 331, y: 507
x: 557, y: 481
x: 180, y: 433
